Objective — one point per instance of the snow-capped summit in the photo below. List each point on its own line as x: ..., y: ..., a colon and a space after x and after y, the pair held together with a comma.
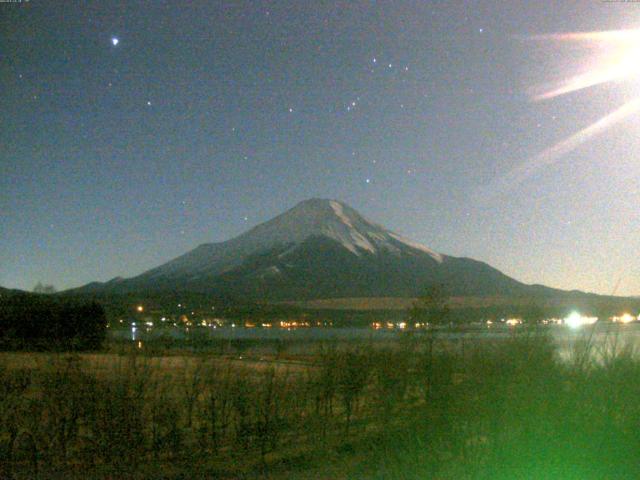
x: 314, y: 218
x: 327, y: 218
x: 318, y: 249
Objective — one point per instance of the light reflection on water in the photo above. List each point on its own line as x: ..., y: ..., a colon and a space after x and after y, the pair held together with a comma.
x: 600, y: 341
x: 602, y: 338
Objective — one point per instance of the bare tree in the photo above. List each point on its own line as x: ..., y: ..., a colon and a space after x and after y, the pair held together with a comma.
x: 432, y: 309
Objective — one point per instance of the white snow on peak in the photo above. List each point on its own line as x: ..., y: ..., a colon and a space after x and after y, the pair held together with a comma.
x: 315, y: 217
x: 435, y: 255
x: 369, y: 236
x: 340, y: 213
x: 361, y: 241
x: 350, y: 238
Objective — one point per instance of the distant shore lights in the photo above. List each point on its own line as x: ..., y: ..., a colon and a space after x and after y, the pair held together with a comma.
x: 576, y: 320
x: 624, y: 318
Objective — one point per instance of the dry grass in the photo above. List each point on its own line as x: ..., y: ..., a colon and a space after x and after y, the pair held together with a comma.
x: 421, y: 408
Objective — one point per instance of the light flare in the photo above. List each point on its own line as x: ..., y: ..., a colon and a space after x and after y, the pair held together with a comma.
x: 612, y: 56
x: 575, y: 320
x: 552, y: 154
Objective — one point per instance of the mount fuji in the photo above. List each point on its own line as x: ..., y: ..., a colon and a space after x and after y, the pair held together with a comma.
x: 319, y: 249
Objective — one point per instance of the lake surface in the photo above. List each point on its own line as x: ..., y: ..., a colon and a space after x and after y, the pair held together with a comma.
x: 604, y: 338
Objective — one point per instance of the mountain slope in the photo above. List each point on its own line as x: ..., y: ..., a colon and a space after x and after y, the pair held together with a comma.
x: 323, y: 218
x: 318, y: 249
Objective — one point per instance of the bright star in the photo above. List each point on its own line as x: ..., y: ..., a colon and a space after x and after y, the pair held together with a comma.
x: 115, y: 41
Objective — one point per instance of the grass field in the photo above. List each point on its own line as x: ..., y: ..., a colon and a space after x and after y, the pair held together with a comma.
x: 419, y: 408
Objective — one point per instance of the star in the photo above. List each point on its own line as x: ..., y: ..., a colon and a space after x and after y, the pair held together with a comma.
x: 148, y: 103
x: 368, y: 180
x: 290, y: 110
x: 115, y: 41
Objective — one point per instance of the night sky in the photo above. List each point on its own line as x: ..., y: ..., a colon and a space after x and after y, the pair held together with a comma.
x: 132, y: 131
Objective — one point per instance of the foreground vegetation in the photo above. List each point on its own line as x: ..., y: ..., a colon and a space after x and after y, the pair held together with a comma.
x: 43, y: 322
x: 421, y: 408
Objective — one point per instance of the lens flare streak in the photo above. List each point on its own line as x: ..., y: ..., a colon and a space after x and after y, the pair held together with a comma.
x: 613, y: 56
x: 553, y: 154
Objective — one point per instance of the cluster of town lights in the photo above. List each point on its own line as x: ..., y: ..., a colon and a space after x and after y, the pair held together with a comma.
x: 573, y: 320
x: 625, y: 318
x: 398, y: 325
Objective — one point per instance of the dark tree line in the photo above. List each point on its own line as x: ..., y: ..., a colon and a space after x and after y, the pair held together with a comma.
x: 42, y: 323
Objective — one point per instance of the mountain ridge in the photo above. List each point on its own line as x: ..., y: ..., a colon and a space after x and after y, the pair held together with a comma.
x: 320, y: 248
